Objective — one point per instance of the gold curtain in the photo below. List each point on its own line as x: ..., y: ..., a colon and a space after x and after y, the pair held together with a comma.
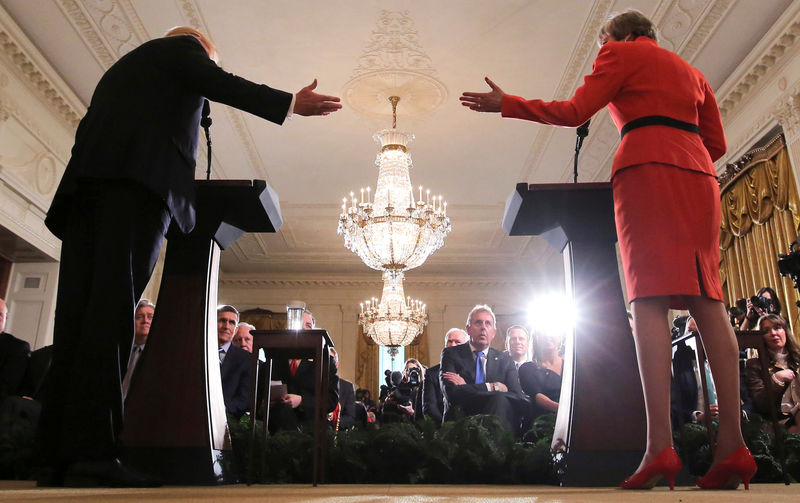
x: 264, y: 319
x: 419, y: 349
x: 367, y: 364
x: 759, y: 220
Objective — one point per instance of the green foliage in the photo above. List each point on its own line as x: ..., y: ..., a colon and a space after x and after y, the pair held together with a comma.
x: 17, y: 435
x: 464, y: 451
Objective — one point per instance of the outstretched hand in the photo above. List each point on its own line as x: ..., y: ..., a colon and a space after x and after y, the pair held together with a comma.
x: 307, y: 102
x: 484, y: 102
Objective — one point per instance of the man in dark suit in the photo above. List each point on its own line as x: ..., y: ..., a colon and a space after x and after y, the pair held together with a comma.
x: 296, y: 409
x: 131, y: 174
x: 235, y: 363
x: 480, y: 379
x: 345, y: 412
x: 432, y: 399
x: 13, y: 358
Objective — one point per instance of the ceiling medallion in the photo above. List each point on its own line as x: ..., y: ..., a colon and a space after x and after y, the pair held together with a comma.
x: 394, y: 64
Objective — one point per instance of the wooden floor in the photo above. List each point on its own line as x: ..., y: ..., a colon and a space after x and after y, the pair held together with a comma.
x: 26, y: 491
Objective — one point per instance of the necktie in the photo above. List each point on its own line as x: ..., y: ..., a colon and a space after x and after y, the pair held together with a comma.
x: 221, y: 355
x: 480, y: 375
x: 126, y: 382
x: 293, y: 366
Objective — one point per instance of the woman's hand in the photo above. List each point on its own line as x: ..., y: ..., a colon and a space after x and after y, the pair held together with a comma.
x: 785, y: 376
x: 484, y: 102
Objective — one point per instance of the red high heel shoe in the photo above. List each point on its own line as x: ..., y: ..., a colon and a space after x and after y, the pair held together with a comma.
x: 667, y: 464
x: 739, y: 466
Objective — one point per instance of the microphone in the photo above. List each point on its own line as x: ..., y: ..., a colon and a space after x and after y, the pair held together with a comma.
x: 205, y: 121
x: 583, y: 132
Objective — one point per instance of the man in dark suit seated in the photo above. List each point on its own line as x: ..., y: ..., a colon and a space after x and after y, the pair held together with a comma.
x: 295, y: 410
x: 432, y: 399
x: 345, y: 413
x: 235, y: 363
x: 13, y: 358
x: 479, y: 379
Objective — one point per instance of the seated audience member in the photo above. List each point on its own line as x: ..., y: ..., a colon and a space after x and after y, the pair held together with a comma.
x: 295, y: 410
x: 687, y: 399
x: 479, y: 379
x: 432, y: 405
x: 764, y: 302
x: 13, y: 358
x: 142, y: 319
x: 541, y: 380
x: 517, y: 344
x: 242, y: 337
x: 784, y: 357
x: 366, y: 399
x: 406, y: 398
x: 345, y: 413
x: 235, y: 363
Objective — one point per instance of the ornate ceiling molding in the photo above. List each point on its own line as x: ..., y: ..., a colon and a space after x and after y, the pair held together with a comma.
x: 109, y: 28
x: 777, y: 47
x: 9, y: 108
x: 23, y: 58
x: 446, y: 283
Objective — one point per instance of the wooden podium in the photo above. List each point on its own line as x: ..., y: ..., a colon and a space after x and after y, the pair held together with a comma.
x: 175, y: 425
x: 600, y: 432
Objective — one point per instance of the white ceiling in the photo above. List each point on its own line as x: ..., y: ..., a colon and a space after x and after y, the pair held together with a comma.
x: 533, y: 48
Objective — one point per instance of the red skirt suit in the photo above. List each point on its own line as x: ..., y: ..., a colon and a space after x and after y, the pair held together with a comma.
x: 666, y: 198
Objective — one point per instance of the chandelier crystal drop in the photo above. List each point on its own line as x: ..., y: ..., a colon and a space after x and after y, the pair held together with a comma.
x: 396, y: 320
x: 398, y: 228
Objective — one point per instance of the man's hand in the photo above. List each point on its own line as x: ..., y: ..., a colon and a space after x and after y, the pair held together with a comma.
x: 498, y: 386
x: 484, y: 102
x: 293, y: 400
x: 713, y: 409
x: 453, y: 378
x: 307, y: 102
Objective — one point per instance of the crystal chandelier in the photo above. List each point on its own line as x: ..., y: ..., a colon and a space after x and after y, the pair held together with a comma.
x: 393, y: 232
x: 396, y: 320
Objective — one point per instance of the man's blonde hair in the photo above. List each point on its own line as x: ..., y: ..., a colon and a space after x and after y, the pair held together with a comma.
x: 209, y: 46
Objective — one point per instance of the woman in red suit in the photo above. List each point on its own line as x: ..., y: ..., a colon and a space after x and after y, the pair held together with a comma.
x: 667, y: 209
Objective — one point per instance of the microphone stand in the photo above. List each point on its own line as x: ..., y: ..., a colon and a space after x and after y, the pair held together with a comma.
x: 582, y: 132
x: 205, y: 122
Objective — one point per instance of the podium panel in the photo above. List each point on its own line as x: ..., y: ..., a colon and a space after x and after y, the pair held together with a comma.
x: 600, y: 432
x: 175, y: 426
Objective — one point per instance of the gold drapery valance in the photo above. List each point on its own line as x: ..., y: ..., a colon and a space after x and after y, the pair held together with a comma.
x: 760, y: 219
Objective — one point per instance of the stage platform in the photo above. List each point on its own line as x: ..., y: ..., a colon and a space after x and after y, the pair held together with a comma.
x: 300, y: 493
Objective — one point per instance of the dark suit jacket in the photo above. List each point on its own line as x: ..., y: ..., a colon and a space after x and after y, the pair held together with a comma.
x: 459, y: 359
x: 13, y: 362
x: 347, y: 400
x: 235, y: 372
x: 142, y: 123
x: 432, y: 394
x: 302, y: 383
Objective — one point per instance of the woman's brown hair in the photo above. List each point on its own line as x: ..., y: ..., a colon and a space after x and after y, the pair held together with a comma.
x: 630, y: 22
x: 792, y: 351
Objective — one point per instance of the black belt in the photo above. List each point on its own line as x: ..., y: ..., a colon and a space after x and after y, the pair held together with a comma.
x: 657, y: 120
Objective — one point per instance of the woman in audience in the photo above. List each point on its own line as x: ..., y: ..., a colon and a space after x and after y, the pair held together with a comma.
x: 768, y: 303
x: 406, y: 399
x: 541, y: 380
x: 784, y: 363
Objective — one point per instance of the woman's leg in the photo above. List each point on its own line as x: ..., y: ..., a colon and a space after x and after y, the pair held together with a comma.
x: 723, y: 353
x: 654, y: 353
